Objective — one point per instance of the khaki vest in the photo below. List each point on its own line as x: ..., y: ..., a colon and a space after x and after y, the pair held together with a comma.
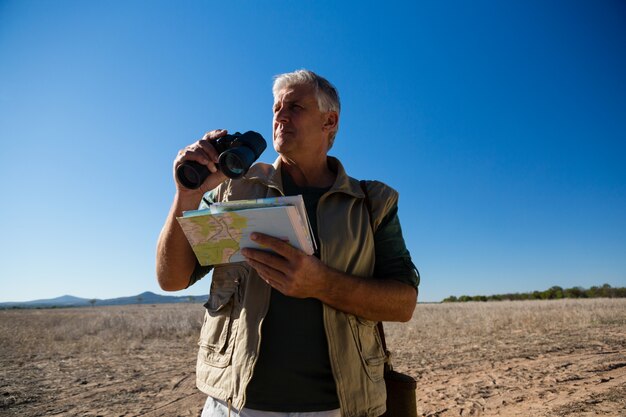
x: 239, y: 299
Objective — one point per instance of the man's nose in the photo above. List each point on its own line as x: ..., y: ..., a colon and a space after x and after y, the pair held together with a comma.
x: 281, y: 116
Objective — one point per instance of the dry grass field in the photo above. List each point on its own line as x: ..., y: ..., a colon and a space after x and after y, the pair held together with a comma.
x: 523, y: 358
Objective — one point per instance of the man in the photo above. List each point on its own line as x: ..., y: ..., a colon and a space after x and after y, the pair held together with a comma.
x: 286, y: 332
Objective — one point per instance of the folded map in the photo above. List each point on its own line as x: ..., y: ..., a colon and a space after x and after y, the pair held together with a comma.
x: 218, y: 233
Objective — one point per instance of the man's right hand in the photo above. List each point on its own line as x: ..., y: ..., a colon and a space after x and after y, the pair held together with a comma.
x: 204, y: 153
x: 175, y: 260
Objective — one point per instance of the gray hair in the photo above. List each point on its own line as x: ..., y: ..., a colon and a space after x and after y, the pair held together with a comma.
x: 325, y: 92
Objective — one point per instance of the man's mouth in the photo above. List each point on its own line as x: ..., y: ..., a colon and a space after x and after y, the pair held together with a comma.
x: 283, y: 132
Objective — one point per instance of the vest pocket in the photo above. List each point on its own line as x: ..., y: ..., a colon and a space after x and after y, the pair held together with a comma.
x: 219, y: 328
x: 369, y: 346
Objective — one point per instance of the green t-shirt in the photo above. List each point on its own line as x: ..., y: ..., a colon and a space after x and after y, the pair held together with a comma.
x: 293, y: 372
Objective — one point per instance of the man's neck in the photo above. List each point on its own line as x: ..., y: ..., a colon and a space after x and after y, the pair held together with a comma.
x: 309, y: 173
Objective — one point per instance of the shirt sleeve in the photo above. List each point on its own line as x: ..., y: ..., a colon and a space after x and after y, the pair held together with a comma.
x: 198, y: 273
x: 393, y: 260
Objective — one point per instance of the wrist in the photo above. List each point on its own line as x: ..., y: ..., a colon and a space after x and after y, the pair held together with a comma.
x: 185, y: 200
x: 331, y: 285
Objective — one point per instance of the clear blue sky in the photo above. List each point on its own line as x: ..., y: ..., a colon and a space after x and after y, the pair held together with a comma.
x: 501, y: 124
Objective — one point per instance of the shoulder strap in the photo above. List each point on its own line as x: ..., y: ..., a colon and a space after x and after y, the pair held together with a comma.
x: 368, y: 204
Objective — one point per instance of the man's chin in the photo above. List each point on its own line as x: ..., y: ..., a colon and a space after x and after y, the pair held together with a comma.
x: 284, y: 147
x: 282, y: 140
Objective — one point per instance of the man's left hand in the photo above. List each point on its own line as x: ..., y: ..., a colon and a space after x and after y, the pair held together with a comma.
x: 288, y: 270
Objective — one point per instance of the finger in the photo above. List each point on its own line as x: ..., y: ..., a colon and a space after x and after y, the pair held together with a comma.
x: 206, y: 143
x: 277, y: 245
x: 260, y: 256
x: 268, y: 274
x: 197, y: 154
x: 208, y: 148
x: 214, y: 134
x: 202, y: 151
x: 262, y: 270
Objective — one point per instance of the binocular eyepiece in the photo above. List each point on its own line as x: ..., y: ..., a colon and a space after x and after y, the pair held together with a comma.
x: 237, y: 153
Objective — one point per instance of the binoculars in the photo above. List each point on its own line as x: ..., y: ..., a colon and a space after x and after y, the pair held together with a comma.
x: 237, y: 153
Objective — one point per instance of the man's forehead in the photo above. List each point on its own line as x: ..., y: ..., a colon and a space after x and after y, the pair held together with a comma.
x: 295, y: 92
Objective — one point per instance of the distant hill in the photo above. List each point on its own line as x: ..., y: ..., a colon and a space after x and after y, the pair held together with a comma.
x: 71, y: 301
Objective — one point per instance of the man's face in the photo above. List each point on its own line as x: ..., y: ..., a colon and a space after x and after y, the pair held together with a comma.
x: 300, y: 128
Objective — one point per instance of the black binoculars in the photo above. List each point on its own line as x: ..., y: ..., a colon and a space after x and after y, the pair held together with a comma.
x: 237, y: 154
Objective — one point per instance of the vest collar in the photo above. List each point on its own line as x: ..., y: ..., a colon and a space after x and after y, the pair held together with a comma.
x: 271, y: 176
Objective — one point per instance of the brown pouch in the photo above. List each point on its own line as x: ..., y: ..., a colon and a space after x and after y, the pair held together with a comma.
x: 400, y: 395
x: 400, y: 388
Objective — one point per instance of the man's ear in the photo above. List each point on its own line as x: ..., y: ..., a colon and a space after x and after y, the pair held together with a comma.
x: 331, y: 120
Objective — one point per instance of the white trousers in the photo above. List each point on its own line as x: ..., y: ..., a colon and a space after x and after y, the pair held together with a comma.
x: 216, y: 408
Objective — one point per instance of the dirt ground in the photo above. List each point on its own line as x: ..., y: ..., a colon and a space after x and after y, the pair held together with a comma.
x: 540, y: 358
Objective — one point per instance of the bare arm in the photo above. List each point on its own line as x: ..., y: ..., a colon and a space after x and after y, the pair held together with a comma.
x: 371, y: 299
x: 175, y: 260
x: 296, y: 274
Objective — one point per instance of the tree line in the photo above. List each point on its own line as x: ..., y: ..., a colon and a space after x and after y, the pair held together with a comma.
x: 553, y: 293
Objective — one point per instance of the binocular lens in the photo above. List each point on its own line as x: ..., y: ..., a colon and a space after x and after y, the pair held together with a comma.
x: 235, y: 162
x: 192, y: 174
x: 232, y: 165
